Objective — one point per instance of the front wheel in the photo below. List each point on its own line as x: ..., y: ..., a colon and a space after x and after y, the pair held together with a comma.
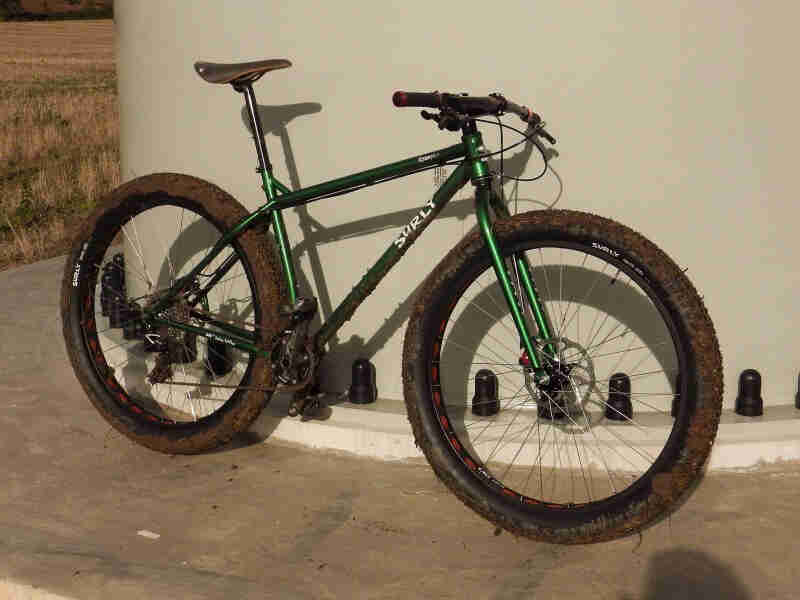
x: 621, y: 430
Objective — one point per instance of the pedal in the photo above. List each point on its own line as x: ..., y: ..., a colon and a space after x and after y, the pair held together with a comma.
x: 307, y: 405
x: 306, y: 401
x: 311, y: 408
x: 303, y: 309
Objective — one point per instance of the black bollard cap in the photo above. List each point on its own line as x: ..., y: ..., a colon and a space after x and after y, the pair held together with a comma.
x: 619, y: 406
x: 797, y: 395
x: 218, y: 358
x: 131, y: 325
x: 485, y: 402
x: 749, y: 402
x: 362, y: 386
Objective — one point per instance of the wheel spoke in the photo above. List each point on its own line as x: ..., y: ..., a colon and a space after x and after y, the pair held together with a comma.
x: 559, y: 445
x: 189, y: 358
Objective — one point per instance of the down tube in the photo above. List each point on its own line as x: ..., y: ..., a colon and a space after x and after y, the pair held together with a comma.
x: 394, y: 253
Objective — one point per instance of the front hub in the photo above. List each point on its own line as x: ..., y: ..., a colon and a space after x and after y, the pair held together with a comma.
x: 565, y: 392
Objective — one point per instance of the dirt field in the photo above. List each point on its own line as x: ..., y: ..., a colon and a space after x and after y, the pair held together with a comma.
x: 59, y: 141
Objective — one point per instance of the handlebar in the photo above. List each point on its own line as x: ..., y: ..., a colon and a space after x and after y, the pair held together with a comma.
x: 472, y: 106
x: 420, y: 99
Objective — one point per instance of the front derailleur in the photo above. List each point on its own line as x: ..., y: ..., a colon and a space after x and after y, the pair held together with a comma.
x: 295, y: 358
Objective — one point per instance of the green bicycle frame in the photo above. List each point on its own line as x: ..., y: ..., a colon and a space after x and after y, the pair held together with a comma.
x: 279, y: 197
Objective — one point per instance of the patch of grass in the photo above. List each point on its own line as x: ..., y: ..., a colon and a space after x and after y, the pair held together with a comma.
x: 59, y: 133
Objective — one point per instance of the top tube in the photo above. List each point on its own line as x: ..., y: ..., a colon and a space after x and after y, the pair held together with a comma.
x: 408, y: 166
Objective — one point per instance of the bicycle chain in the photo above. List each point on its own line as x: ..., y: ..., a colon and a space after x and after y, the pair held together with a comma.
x: 184, y: 314
x: 283, y: 388
x: 217, y: 317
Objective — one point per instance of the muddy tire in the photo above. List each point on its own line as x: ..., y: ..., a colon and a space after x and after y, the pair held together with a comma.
x: 584, y: 459
x: 140, y: 239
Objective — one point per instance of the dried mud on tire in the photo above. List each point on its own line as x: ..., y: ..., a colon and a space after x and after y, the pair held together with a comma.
x: 662, y: 491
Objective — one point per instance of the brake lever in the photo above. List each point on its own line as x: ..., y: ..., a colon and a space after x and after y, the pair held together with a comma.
x: 543, y: 132
x: 445, y: 120
x: 538, y: 129
x: 429, y: 116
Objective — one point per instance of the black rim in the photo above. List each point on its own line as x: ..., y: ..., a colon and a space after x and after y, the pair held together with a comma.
x: 452, y: 423
x: 94, y: 326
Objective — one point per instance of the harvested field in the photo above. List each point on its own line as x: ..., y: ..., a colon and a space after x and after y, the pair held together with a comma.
x: 59, y: 140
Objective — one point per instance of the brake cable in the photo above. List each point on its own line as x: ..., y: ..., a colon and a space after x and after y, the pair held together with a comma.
x: 526, y: 138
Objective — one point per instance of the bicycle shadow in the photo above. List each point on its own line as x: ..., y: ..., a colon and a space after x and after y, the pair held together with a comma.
x: 687, y: 574
x: 675, y: 574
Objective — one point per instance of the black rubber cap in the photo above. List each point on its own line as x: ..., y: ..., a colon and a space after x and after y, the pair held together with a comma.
x: 797, y: 395
x: 749, y: 402
x: 485, y: 402
x: 218, y: 358
x: 619, y: 407
x: 362, y: 386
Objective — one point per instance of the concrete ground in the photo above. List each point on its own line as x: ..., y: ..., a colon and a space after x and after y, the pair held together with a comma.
x: 84, y: 513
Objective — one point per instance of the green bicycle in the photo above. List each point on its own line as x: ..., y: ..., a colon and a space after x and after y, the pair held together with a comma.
x: 561, y: 373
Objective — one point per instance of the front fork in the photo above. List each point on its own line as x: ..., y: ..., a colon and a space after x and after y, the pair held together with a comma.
x: 525, y: 294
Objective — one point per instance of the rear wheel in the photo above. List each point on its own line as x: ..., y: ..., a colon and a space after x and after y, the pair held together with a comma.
x: 595, y: 453
x: 167, y: 389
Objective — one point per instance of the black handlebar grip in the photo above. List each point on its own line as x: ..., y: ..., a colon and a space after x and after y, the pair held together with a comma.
x: 428, y: 100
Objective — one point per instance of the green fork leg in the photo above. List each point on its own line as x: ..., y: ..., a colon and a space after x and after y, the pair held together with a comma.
x: 540, y: 314
x: 482, y: 199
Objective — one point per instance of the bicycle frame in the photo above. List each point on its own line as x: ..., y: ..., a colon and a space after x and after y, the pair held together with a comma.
x: 473, y: 168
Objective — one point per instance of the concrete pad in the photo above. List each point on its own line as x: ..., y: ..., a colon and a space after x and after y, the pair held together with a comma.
x: 84, y: 513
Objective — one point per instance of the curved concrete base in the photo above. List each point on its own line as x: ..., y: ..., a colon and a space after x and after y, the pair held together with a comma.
x: 381, y: 430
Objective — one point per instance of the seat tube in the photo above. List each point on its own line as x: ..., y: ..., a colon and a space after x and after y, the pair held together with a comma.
x: 265, y: 168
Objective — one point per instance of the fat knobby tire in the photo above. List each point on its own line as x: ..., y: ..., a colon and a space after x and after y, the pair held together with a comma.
x: 258, y: 255
x: 622, y: 514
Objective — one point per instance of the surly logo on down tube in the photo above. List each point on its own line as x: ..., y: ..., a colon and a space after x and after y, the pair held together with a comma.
x: 418, y: 220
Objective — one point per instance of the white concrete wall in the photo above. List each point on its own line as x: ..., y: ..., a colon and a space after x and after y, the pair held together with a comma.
x: 678, y: 119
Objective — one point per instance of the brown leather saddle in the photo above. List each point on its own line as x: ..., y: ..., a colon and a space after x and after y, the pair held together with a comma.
x: 236, y: 73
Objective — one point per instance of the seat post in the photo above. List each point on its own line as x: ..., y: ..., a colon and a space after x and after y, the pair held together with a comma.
x: 246, y: 89
x: 266, y: 177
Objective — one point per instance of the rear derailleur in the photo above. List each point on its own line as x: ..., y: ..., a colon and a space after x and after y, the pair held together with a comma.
x: 295, y: 360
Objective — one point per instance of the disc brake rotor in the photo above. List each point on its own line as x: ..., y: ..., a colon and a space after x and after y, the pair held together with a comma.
x: 571, y: 385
